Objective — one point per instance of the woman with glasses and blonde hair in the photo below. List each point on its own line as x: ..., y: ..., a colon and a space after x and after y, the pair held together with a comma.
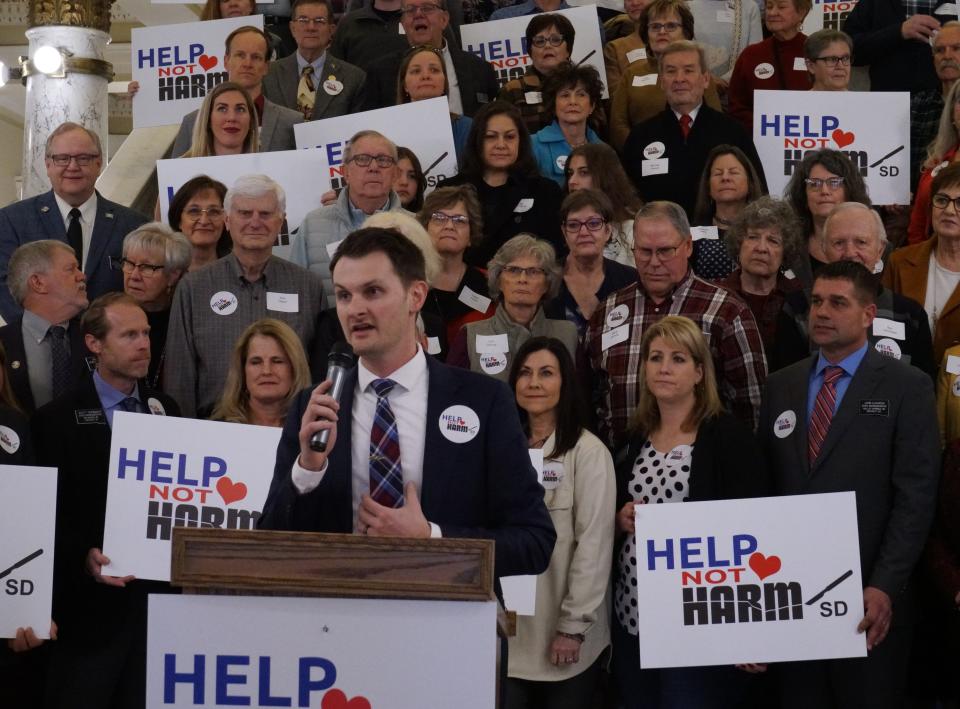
x: 521, y: 277
x: 682, y: 446
x: 941, y: 152
x: 268, y: 368
x: 154, y: 259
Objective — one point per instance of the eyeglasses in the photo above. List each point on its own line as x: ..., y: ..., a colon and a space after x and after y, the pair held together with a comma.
x: 832, y: 61
x: 441, y: 218
x: 816, y: 183
x: 425, y: 9
x: 554, y: 40
x: 194, y: 213
x: 128, y: 266
x: 663, y: 254
x: 663, y: 26
x: 364, y: 160
x: 530, y: 272
x: 593, y: 224
x: 307, y: 21
x: 941, y: 200
x: 62, y: 159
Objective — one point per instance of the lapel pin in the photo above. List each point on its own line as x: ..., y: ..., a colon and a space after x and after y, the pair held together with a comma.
x: 15, y: 364
x: 108, y: 215
x: 44, y: 210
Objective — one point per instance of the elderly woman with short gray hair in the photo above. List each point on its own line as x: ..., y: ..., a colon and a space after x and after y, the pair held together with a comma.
x: 522, y: 275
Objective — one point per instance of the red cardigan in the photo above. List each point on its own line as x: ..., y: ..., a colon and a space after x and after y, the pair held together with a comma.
x: 919, y: 229
x: 776, y: 60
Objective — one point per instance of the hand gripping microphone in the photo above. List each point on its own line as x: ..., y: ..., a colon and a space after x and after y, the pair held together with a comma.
x: 339, y: 360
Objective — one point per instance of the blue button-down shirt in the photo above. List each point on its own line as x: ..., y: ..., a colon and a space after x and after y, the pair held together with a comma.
x: 110, y: 397
x: 848, y: 364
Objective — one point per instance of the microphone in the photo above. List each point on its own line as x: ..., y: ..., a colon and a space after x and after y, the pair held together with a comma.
x: 340, y: 359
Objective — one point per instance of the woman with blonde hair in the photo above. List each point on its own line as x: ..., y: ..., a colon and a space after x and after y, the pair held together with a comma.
x: 682, y: 446
x: 268, y: 368
x: 226, y: 124
x: 941, y: 152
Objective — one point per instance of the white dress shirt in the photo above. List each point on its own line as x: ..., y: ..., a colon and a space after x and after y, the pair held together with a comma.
x: 693, y: 114
x: 88, y: 214
x: 453, y: 83
x: 408, y: 400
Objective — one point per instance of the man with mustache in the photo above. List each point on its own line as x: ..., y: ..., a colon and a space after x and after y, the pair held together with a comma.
x: 926, y: 106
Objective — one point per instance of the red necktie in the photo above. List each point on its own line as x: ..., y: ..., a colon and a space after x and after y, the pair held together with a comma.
x: 685, y: 122
x: 823, y: 411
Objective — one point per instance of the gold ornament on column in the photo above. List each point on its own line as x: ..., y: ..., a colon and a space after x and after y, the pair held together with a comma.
x: 94, y: 14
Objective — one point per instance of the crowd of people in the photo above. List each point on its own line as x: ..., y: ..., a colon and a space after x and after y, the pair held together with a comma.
x: 607, y: 280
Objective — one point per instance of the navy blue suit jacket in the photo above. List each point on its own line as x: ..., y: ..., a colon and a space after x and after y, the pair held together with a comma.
x: 483, y: 488
x: 39, y: 218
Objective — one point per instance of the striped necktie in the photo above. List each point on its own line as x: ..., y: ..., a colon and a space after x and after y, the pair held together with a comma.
x: 386, y: 474
x: 823, y: 411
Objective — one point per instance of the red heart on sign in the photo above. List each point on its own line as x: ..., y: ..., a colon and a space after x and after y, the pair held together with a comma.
x: 207, y: 62
x: 842, y: 139
x: 335, y: 699
x: 231, y: 491
x: 764, y: 566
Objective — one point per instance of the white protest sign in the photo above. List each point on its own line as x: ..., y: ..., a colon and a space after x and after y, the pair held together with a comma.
x: 738, y: 581
x: 28, y: 509
x: 326, y: 653
x: 176, y: 65
x: 503, y: 44
x: 827, y: 16
x: 608, y: 4
x: 422, y: 126
x: 301, y: 173
x: 168, y: 472
x: 789, y: 124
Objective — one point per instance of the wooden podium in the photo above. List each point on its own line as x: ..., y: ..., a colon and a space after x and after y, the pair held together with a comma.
x: 240, y: 562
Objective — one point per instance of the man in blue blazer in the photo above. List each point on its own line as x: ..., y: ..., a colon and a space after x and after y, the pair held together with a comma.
x: 464, y: 466
x: 73, y: 160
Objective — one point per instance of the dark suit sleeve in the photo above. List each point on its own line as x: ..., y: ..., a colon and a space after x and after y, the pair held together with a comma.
x: 922, y: 357
x: 873, y: 37
x: 742, y: 470
x: 359, y: 100
x: 181, y: 143
x: 517, y: 519
x: 9, y: 241
x: 914, y: 476
x: 278, y: 509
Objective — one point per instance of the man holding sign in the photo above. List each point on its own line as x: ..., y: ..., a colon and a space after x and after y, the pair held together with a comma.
x: 815, y: 418
x: 100, y: 654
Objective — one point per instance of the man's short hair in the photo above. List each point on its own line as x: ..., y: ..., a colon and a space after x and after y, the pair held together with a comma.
x: 671, y: 211
x: 94, y: 321
x: 295, y: 5
x: 254, y: 187
x: 67, y: 127
x: 268, y: 53
x: 404, y: 255
x: 348, y: 151
x: 544, y: 21
x: 821, y: 39
x: 29, y: 259
x: 685, y: 45
x: 864, y: 283
x: 872, y: 214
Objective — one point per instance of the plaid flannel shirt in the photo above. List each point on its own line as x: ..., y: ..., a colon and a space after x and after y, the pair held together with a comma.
x: 925, y: 110
x: 726, y: 322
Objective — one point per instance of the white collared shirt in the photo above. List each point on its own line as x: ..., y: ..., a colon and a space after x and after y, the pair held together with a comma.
x: 692, y: 114
x: 88, y: 214
x: 408, y: 400
x: 453, y: 83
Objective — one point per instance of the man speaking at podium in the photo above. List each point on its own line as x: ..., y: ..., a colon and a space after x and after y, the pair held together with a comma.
x: 415, y: 448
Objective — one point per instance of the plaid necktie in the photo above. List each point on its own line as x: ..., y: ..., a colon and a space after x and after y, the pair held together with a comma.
x: 306, y: 92
x: 685, y: 122
x: 75, y: 235
x: 386, y: 475
x: 59, y: 360
x: 823, y: 411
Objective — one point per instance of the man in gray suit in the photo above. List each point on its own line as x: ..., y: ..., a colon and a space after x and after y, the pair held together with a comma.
x: 310, y: 80
x: 849, y: 418
x: 247, y: 52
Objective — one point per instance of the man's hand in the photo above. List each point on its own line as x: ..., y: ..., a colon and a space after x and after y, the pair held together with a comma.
x: 320, y: 414
x: 26, y: 639
x: 95, y: 563
x: 877, y: 614
x: 329, y: 197
x: 408, y: 521
x: 919, y: 27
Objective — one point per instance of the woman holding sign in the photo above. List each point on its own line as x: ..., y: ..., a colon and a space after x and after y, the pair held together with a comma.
x: 682, y: 446
x: 556, y: 655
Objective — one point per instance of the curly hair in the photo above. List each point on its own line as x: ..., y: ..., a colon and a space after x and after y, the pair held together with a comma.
x: 569, y: 76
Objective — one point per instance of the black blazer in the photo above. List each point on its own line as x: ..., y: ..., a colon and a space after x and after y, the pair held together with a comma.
x: 82, y: 360
x: 477, y: 80
x: 687, y: 159
x: 483, y: 487
x: 16, y: 443
x: 81, y: 453
x: 501, y: 220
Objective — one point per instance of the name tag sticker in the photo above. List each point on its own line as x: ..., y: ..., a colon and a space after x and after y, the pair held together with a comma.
x: 283, y: 302
x: 799, y: 64
x: 654, y: 167
x: 533, y: 97
x: 536, y: 459
x: 956, y: 387
x: 645, y: 80
x: 459, y: 424
x: 636, y: 55
x: 86, y: 416
x: 953, y: 364
x: 785, y: 423
x: 789, y: 274
x: 433, y: 345
x: 614, y: 336
x: 704, y: 232
x: 681, y: 452
x: 493, y: 344
x: 332, y: 248
x: 478, y: 302
x: 875, y: 407
x: 882, y: 327
x: 524, y: 205
x: 725, y: 16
